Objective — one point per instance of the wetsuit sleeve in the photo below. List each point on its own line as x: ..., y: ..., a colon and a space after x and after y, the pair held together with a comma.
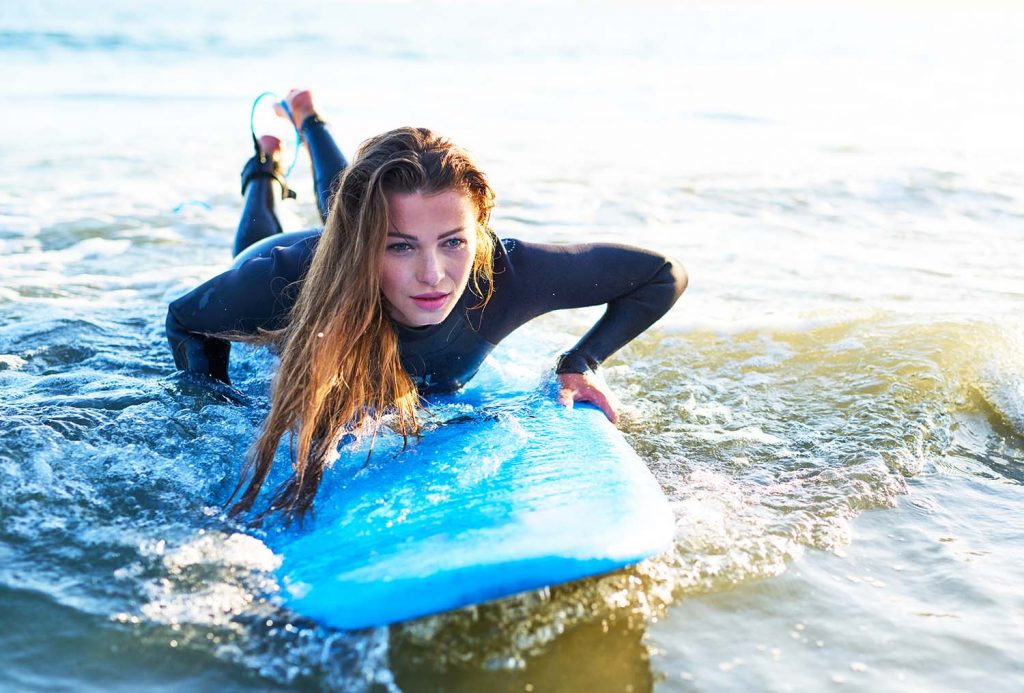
x: 328, y: 161
x: 638, y: 286
x: 258, y: 294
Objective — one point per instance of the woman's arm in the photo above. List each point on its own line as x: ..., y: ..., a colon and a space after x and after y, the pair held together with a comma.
x: 638, y: 286
x: 195, y: 352
x: 258, y: 294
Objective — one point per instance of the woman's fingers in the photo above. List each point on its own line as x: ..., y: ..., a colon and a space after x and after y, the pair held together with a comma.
x: 602, y: 402
x: 579, y: 387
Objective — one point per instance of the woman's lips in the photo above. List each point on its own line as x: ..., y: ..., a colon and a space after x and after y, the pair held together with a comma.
x: 431, y: 301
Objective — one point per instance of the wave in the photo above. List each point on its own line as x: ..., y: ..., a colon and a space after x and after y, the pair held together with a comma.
x: 769, y: 441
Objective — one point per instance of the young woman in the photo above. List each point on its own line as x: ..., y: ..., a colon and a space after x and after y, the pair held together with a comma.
x: 403, y: 293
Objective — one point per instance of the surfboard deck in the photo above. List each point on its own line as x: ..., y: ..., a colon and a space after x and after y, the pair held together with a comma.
x: 506, y: 491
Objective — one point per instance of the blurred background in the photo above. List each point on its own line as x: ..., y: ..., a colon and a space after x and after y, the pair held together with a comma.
x: 835, y: 407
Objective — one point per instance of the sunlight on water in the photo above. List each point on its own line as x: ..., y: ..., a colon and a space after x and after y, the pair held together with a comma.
x: 835, y: 409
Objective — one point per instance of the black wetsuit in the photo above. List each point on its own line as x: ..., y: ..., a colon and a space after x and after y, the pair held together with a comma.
x: 530, y: 279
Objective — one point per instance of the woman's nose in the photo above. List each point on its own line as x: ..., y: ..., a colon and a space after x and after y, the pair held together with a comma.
x: 430, y: 270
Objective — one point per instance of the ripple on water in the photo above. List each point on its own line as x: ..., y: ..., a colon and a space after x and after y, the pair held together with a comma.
x: 767, y: 441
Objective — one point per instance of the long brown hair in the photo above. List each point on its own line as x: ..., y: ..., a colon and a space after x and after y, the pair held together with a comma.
x: 339, y: 370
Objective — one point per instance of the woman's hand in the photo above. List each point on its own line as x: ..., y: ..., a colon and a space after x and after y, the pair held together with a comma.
x: 588, y: 387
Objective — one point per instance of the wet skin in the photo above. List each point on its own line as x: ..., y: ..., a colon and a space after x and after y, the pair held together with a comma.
x: 428, y: 256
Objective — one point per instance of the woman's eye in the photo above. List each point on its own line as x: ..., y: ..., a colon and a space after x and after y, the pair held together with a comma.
x: 399, y: 247
x: 455, y: 243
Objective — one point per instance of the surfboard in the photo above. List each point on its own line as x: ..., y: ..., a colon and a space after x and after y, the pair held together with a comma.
x: 506, y: 491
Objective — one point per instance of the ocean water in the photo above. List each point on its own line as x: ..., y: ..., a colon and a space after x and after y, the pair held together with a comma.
x: 835, y: 407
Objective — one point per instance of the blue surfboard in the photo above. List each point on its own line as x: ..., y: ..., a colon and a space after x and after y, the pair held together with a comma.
x: 506, y: 491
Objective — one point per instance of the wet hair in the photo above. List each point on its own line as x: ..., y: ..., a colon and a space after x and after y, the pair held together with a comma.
x: 339, y: 369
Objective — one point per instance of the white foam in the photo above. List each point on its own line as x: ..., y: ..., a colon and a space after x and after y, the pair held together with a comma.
x: 236, y: 550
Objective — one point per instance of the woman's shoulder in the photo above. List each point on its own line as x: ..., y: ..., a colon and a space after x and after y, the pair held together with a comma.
x: 509, y: 251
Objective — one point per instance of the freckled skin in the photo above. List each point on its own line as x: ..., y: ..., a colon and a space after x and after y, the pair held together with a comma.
x: 424, y: 259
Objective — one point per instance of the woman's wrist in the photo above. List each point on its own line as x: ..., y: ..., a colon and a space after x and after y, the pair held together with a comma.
x: 574, y: 361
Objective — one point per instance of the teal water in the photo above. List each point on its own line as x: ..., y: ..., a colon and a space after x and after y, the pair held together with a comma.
x: 835, y: 408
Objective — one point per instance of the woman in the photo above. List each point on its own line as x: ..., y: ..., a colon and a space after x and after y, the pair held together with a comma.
x: 403, y: 293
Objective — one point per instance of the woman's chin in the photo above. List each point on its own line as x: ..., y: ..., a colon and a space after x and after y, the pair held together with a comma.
x: 434, y: 318
x: 423, y: 318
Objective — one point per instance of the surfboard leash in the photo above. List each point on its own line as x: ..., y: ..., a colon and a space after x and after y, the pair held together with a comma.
x: 291, y: 119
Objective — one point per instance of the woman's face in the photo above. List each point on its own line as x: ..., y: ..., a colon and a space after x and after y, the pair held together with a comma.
x: 428, y: 255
